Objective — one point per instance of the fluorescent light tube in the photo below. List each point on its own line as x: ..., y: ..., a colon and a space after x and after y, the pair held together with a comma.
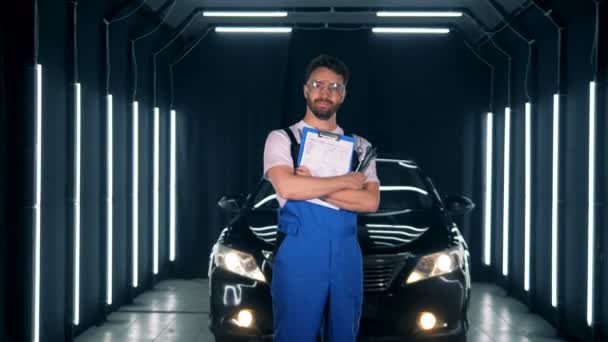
x: 253, y: 29
x: 135, y: 204
x: 77, y: 160
x: 554, y: 201
x: 156, y: 187
x: 506, y: 192
x: 37, y: 204
x: 488, y: 192
x: 246, y: 14
x: 591, y: 204
x: 527, y: 192
x: 419, y: 14
x: 410, y: 30
x: 172, y: 186
x: 109, y: 199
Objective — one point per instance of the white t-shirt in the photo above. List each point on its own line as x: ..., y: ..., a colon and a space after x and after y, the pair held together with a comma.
x: 277, y: 151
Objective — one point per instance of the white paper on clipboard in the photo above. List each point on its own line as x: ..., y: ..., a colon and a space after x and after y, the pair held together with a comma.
x: 326, y: 156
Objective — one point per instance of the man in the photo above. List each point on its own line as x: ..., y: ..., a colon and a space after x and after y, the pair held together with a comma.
x: 318, y: 268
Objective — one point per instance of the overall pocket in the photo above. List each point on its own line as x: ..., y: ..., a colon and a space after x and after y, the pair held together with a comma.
x: 283, y: 231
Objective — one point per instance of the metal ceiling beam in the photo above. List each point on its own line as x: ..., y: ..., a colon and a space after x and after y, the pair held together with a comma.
x: 486, y: 62
x: 497, y: 46
x: 180, y: 55
x: 158, y: 16
x: 178, y: 32
x: 548, y: 14
x: 507, y: 22
x: 352, y: 17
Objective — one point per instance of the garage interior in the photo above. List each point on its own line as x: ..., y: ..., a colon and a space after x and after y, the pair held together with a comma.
x: 123, y: 122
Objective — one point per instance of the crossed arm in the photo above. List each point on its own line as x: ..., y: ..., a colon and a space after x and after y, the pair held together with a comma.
x: 349, y: 192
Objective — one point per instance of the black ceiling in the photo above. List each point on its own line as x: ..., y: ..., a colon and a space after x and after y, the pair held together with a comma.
x: 479, y: 15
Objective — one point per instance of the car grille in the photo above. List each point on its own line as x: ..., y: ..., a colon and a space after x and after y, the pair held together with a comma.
x: 380, y: 270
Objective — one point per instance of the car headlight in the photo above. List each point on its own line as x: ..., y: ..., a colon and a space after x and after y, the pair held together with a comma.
x: 237, y: 262
x: 437, y: 264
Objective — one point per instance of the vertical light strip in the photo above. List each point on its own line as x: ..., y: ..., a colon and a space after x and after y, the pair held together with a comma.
x: 591, y: 204
x: 172, y: 186
x: 156, y: 185
x: 109, y: 199
x: 37, y: 204
x: 528, y: 193
x: 506, y: 193
x: 135, y: 204
x: 77, y: 160
x: 488, y: 192
x: 554, y: 200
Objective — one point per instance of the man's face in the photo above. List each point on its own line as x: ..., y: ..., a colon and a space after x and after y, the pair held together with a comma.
x: 324, y: 92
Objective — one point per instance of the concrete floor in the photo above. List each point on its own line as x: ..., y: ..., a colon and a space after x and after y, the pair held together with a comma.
x: 177, y: 310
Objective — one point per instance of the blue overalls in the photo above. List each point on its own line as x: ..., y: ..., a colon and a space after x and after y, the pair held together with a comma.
x: 317, y: 267
x: 318, y: 262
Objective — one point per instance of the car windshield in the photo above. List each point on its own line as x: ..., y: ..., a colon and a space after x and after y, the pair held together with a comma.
x: 406, y: 203
x: 403, y: 188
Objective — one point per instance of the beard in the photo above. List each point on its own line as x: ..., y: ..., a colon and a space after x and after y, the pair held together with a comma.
x: 322, y: 113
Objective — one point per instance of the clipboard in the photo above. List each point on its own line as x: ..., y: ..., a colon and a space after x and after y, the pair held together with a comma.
x: 326, y: 135
x: 310, y: 133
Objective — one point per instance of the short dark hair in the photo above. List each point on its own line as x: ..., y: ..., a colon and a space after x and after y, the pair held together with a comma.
x: 330, y: 62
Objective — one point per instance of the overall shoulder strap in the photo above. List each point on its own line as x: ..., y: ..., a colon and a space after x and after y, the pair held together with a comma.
x: 295, y: 147
x: 355, y: 160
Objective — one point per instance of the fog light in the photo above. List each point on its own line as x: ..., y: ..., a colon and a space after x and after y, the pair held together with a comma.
x: 244, y: 319
x: 427, y: 321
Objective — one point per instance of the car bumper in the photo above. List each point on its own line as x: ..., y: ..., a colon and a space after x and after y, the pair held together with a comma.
x: 231, y: 293
x: 386, y: 316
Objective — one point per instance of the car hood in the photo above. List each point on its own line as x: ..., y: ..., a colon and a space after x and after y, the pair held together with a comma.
x: 412, y: 231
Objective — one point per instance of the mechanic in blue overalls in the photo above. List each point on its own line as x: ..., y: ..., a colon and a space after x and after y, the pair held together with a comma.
x: 318, y: 271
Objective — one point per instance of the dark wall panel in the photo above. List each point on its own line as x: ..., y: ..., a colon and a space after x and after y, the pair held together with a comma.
x: 229, y: 94
x: 54, y: 52
x: 577, y: 72
x: 542, y: 89
x: 574, y: 223
x: 17, y: 29
x: 55, y: 171
x: 602, y: 186
x: 92, y: 210
x: 3, y: 166
x: 93, y: 75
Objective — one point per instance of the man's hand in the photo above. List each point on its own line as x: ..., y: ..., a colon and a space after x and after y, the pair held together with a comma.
x: 365, y: 200
x: 352, y: 180
x: 303, y: 171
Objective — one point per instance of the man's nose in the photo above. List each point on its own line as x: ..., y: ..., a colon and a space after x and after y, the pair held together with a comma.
x: 325, y: 91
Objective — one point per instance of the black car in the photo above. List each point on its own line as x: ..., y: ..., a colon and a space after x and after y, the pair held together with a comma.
x: 416, y: 263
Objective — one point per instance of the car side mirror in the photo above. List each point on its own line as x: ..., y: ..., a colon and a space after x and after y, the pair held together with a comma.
x: 458, y: 205
x: 231, y: 204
